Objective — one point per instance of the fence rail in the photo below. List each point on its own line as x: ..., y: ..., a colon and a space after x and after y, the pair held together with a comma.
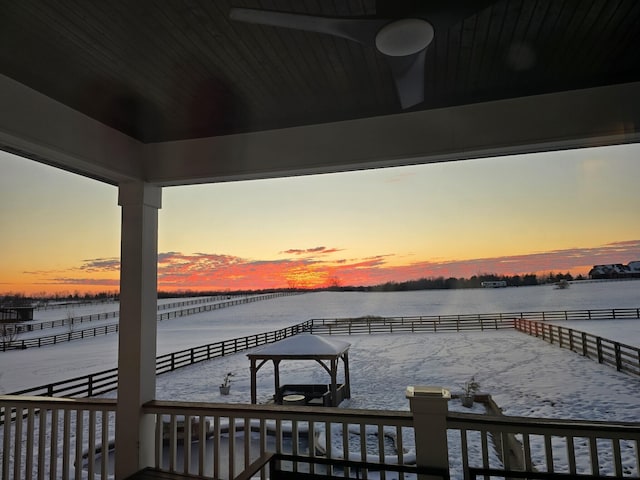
x: 107, y: 380
x: 623, y: 358
x: 484, y: 318
x: 72, y: 334
x: 33, y: 326
x: 367, y: 325
x: 59, y: 338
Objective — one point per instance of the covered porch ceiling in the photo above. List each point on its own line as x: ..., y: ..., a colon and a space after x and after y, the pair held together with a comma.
x: 175, y: 93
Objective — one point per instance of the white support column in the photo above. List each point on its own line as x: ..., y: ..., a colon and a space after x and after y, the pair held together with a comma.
x: 429, y: 406
x: 137, y: 338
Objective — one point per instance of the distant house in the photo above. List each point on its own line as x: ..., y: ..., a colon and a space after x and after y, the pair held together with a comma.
x: 616, y: 270
x: 494, y: 284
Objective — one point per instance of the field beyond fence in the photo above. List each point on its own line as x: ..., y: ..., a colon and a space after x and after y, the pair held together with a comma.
x: 624, y: 358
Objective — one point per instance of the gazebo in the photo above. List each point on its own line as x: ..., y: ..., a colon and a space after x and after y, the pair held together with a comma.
x: 327, y: 352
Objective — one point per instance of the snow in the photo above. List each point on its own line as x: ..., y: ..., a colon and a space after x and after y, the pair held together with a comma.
x: 304, y: 345
x: 525, y: 375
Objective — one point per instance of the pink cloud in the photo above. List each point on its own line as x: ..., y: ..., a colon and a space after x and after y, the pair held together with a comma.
x: 208, y: 271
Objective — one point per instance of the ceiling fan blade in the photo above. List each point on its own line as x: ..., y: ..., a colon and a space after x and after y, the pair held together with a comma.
x: 408, y: 74
x: 359, y: 29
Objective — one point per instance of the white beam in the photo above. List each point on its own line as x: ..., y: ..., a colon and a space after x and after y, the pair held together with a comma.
x: 137, y: 333
x: 34, y: 126
x: 583, y: 118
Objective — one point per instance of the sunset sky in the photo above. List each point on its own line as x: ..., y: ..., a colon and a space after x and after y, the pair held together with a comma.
x: 560, y: 211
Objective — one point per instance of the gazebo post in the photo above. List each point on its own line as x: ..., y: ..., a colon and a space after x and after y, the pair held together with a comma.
x: 334, y: 382
x: 347, y: 380
x: 276, y: 379
x: 254, y: 388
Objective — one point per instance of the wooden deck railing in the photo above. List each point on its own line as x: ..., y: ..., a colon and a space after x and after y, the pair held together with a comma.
x: 67, y: 438
x: 571, y: 447
x: 52, y: 438
x: 624, y: 358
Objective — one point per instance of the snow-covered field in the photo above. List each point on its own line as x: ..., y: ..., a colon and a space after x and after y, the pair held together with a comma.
x: 525, y: 375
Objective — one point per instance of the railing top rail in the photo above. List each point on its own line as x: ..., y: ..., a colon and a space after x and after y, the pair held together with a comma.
x: 60, y: 402
x: 463, y: 420
x: 305, y: 413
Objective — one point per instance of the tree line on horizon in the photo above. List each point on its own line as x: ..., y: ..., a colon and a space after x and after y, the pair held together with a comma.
x: 430, y: 283
x: 442, y: 283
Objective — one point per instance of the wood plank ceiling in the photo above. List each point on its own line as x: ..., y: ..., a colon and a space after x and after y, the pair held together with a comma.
x: 166, y: 70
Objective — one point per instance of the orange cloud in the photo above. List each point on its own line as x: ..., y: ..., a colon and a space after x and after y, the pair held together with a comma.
x: 311, y: 268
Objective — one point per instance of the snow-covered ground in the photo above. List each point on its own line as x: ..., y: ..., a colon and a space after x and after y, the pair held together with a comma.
x: 525, y: 375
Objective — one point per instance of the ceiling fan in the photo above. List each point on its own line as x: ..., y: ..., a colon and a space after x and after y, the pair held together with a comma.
x: 401, y: 31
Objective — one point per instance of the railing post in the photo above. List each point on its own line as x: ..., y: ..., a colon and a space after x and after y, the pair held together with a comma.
x: 429, y: 406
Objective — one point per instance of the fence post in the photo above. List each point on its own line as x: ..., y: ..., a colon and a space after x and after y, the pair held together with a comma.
x: 599, y: 347
x: 429, y: 406
x: 616, y: 347
x: 571, y: 339
x: 584, y: 344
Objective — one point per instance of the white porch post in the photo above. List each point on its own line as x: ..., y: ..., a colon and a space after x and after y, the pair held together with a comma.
x: 429, y: 406
x: 137, y: 338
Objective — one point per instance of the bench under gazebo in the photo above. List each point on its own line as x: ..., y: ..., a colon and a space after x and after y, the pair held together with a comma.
x: 325, y: 351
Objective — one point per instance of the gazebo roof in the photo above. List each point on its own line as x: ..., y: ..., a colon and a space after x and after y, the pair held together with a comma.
x: 305, y: 346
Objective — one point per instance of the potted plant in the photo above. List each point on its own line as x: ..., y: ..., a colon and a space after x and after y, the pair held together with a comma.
x: 225, y: 386
x: 468, y: 392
